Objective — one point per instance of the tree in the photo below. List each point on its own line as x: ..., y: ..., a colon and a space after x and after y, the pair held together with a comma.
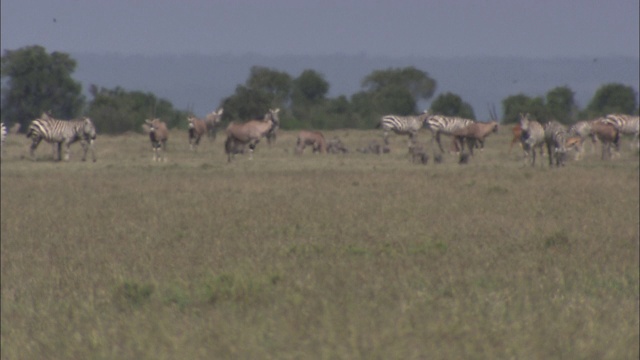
x: 561, y: 105
x: 395, y: 91
x: 264, y: 89
x: 612, y: 98
x: 308, y: 91
x: 116, y: 111
x: 450, y: 104
x: 417, y: 82
x: 246, y: 103
x: 275, y: 84
x: 519, y: 104
x: 309, y: 88
x: 37, y: 82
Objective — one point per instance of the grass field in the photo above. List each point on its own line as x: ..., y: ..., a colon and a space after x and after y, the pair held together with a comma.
x: 354, y: 256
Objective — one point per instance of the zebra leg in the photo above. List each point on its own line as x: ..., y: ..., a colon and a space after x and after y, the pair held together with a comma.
x: 85, y: 148
x: 439, y: 144
x: 93, y: 150
x: 34, y: 144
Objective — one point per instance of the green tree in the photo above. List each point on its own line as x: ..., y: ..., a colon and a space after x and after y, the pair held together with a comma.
x: 37, y: 82
x: 392, y: 91
x: 612, y: 98
x: 264, y: 89
x: 246, y: 103
x: 450, y: 104
x: 516, y: 104
x: 417, y: 82
x: 116, y: 111
x: 309, y: 88
x: 308, y: 95
x: 274, y: 84
x: 561, y: 104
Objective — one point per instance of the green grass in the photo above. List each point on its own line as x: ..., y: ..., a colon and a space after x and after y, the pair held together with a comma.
x: 353, y: 256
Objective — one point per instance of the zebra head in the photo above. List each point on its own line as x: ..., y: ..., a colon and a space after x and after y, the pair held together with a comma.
x: 524, y: 121
x: 88, y: 129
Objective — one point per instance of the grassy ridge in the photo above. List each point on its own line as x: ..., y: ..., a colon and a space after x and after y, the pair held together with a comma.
x: 356, y: 256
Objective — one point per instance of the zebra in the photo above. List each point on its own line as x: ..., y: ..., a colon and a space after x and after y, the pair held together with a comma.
x: 626, y: 124
x: 59, y: 132
x: 439, y: 124
x: 4, y: 137
x: 582, y: 129
x: 532, y: 137
x: 555, y: 136
x: 402, y: 125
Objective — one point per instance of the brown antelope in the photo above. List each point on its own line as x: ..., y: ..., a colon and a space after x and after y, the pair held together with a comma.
x: 158, y: 134
x: 249, y: 133
x: 516, y: 130
x: 197, y: 129
x: 608, y: 134
x: 315, y: 139
x: 212, y: 121
x: 474, y: 132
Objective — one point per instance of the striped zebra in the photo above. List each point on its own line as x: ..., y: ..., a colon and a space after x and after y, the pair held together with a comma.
x: 555, y: 136
x: 582, y: 129
x: 447, y: 125
x: 3, y: 130
x: 402, y: 125
x: 532, y: 137
x: 59, y: 132
x: 626, y: 124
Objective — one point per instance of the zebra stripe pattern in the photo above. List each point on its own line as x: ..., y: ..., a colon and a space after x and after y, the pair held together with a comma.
x: 402, y: 125
x: 626, y: 124
x: 59, y: 132
x: 4, y: 137
x: 447, y: 125
x: 582, y: 130
x: 532, y: 137
x: 555, y: 136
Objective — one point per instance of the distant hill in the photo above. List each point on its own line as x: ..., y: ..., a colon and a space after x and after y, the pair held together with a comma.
x: 202, y: 81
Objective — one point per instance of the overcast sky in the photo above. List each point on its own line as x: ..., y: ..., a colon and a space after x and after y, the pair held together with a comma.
x: 396, y: 28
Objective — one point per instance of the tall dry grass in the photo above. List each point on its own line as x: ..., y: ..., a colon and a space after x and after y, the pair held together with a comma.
x: 338, y: 256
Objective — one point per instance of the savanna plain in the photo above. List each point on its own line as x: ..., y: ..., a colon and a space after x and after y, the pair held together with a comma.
x: 349, y: 256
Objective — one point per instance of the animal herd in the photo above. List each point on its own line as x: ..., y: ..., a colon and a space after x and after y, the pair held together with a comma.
x: 532, y: 136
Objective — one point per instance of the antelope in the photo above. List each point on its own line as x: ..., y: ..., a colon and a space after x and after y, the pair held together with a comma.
x: 311, y: 138
x: 517, y: 136
x: 212, y: 121
x: 249, y: 133
x: 158, y: 134
x: 197, y: 128
x: 475, y: 132
x: 608, y: 134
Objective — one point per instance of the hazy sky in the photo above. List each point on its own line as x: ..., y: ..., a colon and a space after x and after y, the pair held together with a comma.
x: 397, y: 28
